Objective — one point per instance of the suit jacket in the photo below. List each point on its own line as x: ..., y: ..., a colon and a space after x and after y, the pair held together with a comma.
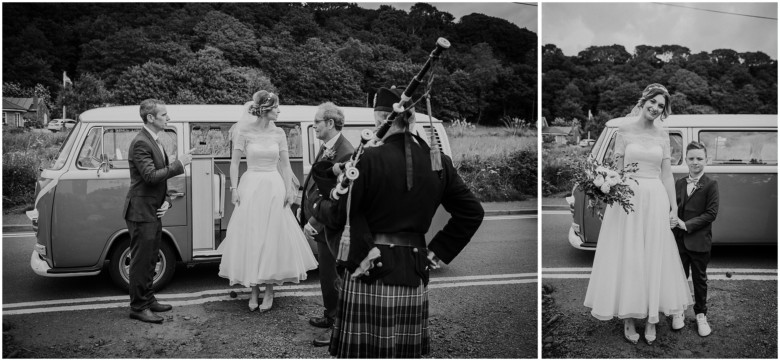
x: 698, y: 211
x: 149, y: 172
x: 316, y: 206
x: 381, y: 203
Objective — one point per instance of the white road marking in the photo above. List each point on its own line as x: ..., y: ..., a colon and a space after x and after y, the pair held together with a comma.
x: 510, y: 217
x: 737, y: 274
x: 18, y: 235
x: 557, y: 213
x: 201, y: 297
x: 711, y: 270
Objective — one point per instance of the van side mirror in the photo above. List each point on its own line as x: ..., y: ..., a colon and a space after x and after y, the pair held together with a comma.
x: 104, y: 164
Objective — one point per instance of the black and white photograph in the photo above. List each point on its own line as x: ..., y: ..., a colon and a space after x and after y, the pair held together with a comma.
x: 659, y: 180
x: 277, y: 180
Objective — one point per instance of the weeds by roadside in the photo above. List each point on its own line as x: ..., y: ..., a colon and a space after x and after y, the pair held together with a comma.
x: 23, y: 155
x: 496, y: 165
x: 558, y: 167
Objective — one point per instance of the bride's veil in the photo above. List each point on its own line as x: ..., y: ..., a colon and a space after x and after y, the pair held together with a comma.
x: 243, y: 120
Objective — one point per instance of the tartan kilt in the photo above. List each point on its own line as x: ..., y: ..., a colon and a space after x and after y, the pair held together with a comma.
x: 380, y: 321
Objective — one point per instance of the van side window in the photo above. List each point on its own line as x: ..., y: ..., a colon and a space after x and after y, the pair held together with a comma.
x: 211, y: 139
x: 293, y: 133
x: 676, y: 140
x: 740, y: 147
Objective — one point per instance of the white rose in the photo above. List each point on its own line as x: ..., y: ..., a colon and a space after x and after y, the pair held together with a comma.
x: 605, y: 188
x: 598, y: 181
x: 612, y: 179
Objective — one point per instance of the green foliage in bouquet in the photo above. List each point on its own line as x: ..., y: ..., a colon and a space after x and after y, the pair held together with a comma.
x: 603, y: 184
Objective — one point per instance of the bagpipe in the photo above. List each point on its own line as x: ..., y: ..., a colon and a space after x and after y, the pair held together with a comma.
x: 347, y: 171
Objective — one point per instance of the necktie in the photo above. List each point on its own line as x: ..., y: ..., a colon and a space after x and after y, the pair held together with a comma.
x: 162, y: 150
x: 319, y: 155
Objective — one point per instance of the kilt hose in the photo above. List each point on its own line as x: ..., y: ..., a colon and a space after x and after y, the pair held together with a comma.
x: 380, y: 321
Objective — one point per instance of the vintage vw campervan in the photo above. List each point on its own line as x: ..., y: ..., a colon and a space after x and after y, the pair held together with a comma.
x: 78, y: 207
x: 741, y: 156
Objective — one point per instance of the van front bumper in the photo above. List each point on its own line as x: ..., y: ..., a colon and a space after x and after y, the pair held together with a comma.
x: 41, y: 268
x: 577, y: 242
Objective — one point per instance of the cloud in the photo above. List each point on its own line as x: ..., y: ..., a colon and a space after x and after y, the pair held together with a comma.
x: 575, y: 26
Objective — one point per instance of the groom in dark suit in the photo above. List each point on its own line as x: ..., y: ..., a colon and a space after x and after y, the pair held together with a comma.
x: 328, y: 122
x: 697, y: 207
x: 146, y: 204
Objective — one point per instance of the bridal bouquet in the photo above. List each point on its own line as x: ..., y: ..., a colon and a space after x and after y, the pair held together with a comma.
x: 603, y: 184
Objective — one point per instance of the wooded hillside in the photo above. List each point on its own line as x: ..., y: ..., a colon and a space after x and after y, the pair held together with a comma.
x: 220, y: 53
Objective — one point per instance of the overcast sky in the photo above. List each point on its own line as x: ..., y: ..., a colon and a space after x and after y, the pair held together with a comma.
x: 524, y: 16
x: 575, y: 26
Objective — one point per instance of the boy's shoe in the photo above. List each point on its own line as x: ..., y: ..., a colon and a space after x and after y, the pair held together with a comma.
x: 704, y: 327
x: 678, y: 322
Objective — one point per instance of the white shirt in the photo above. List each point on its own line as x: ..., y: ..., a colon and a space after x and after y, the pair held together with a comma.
x: 155, y: 136
x: 329, y: 144
x: 690, y: 185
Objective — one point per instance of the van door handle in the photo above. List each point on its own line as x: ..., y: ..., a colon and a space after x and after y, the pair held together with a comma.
x: 175, y: 194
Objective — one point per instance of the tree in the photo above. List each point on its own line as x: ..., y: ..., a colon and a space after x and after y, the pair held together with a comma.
x: 202, y: 78
x: 692, y: 85
x: 236, y: 40
x: 87, y: 92
x: 484, y: 73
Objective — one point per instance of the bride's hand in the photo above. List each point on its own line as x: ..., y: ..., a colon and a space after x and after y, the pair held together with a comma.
x: 673, y: 218
x: 289, y: 198
x: 234, y: 197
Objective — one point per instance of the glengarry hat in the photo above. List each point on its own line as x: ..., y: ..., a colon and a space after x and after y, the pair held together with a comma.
x: 385, y: 98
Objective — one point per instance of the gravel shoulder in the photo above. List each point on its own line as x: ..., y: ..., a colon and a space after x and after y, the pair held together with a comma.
x: 742, y: 314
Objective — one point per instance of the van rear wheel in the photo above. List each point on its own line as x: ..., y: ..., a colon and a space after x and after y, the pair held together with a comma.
x: 119, y: 265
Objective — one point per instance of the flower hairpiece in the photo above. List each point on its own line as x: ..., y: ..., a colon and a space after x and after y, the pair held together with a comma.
x: 656, y: 86
x: 257, y: 109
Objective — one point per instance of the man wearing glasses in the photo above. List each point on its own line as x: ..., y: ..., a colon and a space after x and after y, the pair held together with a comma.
x: 328, y: 122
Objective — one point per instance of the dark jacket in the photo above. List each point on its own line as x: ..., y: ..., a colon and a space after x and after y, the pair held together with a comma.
x: 312, y: 195
x: 149, y: 172
x: 698, y: 211
x: 381, y: 203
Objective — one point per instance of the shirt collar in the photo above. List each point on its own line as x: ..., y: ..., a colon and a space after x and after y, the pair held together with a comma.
x: 697, y: 178
x: 154, y: 135
x: 329, y: 144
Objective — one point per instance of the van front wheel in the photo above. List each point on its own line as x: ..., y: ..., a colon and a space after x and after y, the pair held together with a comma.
x: 119, y: 265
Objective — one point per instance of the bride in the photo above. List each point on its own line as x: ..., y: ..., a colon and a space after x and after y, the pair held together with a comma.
x: 264, y: 244
x: 637, y: 271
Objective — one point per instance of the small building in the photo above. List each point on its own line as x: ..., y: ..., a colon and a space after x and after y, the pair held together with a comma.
x: 13, y: 115
x: 18, y: 110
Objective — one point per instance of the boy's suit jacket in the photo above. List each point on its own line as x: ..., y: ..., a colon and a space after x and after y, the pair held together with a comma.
x: 698, y: 211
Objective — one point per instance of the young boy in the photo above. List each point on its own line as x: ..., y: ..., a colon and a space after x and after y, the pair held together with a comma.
x: 697, y: 207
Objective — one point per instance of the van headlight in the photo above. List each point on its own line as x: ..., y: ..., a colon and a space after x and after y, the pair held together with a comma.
x: 41, y: 249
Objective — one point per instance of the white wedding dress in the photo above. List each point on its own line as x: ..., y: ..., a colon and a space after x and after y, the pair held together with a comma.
x: 637, y: 271
x: 264, y: 243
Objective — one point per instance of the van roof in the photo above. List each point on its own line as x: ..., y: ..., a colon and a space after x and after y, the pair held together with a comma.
x: 709, y: 120
x: 232, y: 113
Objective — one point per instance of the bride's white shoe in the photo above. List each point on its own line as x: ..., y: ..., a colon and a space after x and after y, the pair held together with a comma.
x: 268, y: 301
x: 253, y: 304
x: 629, y: 331
x: 650, y: 333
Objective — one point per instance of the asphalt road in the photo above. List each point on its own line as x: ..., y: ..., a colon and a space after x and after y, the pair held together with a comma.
x: 491, y: 287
